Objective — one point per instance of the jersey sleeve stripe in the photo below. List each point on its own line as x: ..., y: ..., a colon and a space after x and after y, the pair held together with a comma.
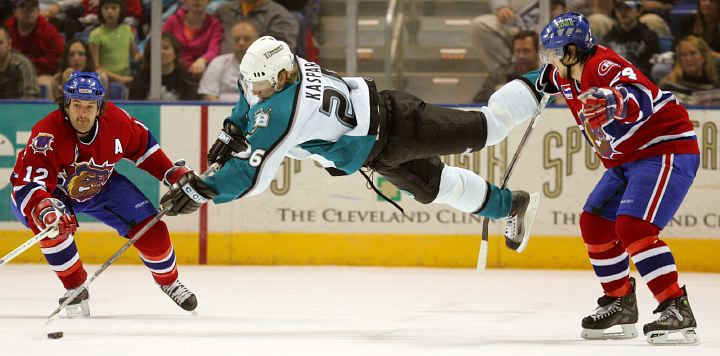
x: 26, y: 193
x: 147, y: 154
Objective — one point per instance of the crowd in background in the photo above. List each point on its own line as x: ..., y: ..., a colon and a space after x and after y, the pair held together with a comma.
x: 680, y: 50
x: 203, y: 41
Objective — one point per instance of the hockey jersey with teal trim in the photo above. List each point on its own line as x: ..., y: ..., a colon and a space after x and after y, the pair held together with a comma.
x: 321, y: 116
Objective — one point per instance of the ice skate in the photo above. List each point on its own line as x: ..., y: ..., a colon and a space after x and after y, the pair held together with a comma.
x: 182, y: 296
x: 675, y: 317
x: 79, y: 307
x: 612, y: 311
x: 518, y: 224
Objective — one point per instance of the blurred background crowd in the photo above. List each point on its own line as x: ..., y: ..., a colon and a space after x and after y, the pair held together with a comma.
x: 469, y: 47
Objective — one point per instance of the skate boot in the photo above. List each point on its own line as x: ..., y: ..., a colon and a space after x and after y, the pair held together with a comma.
x: 79, y: 306
x: 612, y: 311
x: 518, y: 224
x: 675, y: 317
x: 182, y: 296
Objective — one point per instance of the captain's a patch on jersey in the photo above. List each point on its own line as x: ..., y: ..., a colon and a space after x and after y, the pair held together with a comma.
x: 42, y: 143
x: 566, y: 90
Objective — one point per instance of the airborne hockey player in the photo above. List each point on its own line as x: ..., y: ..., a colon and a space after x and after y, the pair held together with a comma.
x: 68, y: 166
x: 292, y: 107
x: 646, y: 141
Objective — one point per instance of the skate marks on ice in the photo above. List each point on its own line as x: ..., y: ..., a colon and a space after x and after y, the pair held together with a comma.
x: 333, y: 310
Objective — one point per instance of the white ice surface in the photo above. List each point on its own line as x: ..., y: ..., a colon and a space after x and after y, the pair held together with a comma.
x: 333, y: 311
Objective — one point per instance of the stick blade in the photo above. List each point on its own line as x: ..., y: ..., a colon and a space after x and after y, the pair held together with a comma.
x: 482, y: 256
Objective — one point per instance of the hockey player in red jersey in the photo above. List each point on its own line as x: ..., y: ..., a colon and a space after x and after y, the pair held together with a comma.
x: 647, y: 143
x: 68, y: 167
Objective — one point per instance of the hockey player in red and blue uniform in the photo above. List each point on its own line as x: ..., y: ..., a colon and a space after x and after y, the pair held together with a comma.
x: 68, y: 167
x: 646, y: 141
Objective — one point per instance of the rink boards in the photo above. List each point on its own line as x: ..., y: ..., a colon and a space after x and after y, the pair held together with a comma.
x: 308, y: 217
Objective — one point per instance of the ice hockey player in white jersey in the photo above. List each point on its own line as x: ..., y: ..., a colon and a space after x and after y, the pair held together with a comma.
x: 290, y: 107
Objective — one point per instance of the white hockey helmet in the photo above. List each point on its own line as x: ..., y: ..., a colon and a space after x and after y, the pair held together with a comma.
x: 262, y: 62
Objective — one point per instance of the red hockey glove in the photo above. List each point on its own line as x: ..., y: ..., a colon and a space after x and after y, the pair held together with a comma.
x: 178, y: 170
x: 600, y: 105
x: 51, y: 212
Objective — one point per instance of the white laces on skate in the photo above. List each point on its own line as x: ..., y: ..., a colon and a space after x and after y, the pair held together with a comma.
x: 511, y: 227
x: 670, y: 312
x: 604, y: 312
x: 177, y: 291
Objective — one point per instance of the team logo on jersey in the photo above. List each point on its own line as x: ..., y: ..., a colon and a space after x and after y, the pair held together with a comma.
x: 42, y: 143
x: 605, y: 66
x: 86, y: 179
x: 262, y: 118
x: 566, y: 90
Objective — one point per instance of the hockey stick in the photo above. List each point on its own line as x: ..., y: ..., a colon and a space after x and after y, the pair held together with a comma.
x: 482, y: 257
x: 22, y: 248
x: 119, y: 252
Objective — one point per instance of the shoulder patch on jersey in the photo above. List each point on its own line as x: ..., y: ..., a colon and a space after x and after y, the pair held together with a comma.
x: 42, y: 143
x: 566, y: 90
x: 605, y: 67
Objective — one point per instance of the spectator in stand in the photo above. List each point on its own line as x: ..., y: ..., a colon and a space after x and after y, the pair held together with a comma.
x: 271, y: 18
x: 705, y: 24
x: 17, y: 73
x: 91, y: 14
x: 525, y: 59
x: 113, y: 43
x: 695, y: 69
x: 63, y: 15
x: 492, y: 34
x: 37, y: 39
x: 601, y: 19
x: 77, y: 58
x: 632, y: 39
x: 220, y: 81
x: 656, y: 14
x: 177, y: 83
x: 199, y: 34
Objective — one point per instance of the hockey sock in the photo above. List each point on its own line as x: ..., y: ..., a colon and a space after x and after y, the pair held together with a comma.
x: 607, y: 255
x: 156, y: 252
x: 64, y: 259
x: 652, y: 257
x: 462, y: 189
x: 497, y: 203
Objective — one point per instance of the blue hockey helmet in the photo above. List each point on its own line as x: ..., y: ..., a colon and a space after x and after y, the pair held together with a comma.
x: 565, y: 29
x: 84, y: 86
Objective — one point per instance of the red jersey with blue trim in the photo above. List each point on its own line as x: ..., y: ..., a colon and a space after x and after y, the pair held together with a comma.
x: 655, y: 123
x: 56, y: 158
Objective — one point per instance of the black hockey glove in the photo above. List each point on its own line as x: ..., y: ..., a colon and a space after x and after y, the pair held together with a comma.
x: 186, y: 195
x: 230, y: 142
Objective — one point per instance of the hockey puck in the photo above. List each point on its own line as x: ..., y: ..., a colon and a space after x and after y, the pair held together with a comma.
x: 55, y: 335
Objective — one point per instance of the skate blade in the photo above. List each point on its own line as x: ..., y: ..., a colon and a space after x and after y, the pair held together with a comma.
x: 628, y: 332
x: 78, y: 310
x: 662, y: 337
x: 532, y: 209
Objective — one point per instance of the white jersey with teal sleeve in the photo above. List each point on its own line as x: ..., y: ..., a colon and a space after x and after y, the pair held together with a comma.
x: 321, y: 116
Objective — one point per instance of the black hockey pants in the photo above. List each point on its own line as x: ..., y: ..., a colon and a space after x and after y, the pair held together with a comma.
x: 414, y: 134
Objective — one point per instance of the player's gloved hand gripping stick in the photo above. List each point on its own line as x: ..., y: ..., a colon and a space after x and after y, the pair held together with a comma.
x: 124, y: 247
x: 482, y: 257
x: 190, y: 192
x: 51, y: 216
